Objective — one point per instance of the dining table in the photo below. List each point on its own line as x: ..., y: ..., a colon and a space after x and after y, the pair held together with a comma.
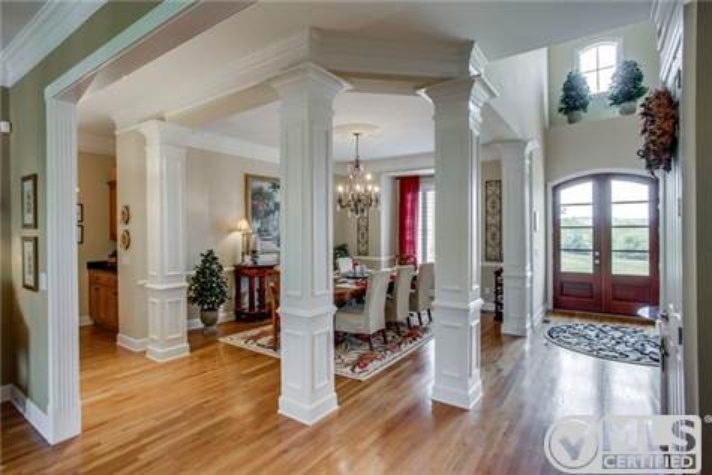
x: 351, y: 287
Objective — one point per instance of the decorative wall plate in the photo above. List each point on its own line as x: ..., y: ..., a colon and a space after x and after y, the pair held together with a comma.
x: 125, y: 214
x: 125, y: 239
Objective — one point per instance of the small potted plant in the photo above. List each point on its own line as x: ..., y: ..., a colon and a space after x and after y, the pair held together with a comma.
x: 627, y: 87
x: 208, y: 290
x: 575, y: 97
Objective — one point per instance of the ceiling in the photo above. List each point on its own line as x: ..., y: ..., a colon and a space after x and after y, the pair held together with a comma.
x: 14, y: 15
x: 405, y: 121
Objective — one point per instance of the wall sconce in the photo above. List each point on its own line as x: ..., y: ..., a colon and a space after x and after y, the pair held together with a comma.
x: 243, y: 244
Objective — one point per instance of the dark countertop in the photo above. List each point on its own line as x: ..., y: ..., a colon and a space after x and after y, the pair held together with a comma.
x: 102, y: 265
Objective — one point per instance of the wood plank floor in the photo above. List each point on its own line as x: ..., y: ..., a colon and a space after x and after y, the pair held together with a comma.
x: 216, y: 412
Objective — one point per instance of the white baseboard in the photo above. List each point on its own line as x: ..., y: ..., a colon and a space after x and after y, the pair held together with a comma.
x: 85, y: 321
x: 539, y: 316
x: 196, y: 324
x: 5, y: 393
x: 488, y: 307
x: 33, y: 414
x: 136, y: 345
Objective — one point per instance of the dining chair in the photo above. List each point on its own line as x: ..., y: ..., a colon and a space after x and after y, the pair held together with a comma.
x: 398, y: 304
x: 345, y: 264
x: 421, y: 298
x: 273, y: 292
x: 370, y: 317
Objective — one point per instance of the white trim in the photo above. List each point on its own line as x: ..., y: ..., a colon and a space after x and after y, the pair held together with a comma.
x: 5, y: 393
x: 24, y: 405
x: 539, y: 315
x: 233, y: 146
x: 46, y: 30
x: 550, y: 216
x: 136, y: 345
x: 85, y: 321
x: 488, y: 307
x: 491, y: 264
x: 97, y: 144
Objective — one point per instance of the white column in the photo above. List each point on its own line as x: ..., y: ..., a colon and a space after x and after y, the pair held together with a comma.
x: 457, y: 268
x: 307, y: 93
x: 517, y: 234
x: 166, y: 240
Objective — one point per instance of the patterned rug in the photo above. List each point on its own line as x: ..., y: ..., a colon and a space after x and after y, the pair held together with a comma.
x: 352, y: 356
x: 611, y: 342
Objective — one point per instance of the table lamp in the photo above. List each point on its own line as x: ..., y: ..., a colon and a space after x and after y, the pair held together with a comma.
x: 243, y: 228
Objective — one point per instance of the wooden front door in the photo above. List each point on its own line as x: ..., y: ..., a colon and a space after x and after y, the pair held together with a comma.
x: 606, y: 244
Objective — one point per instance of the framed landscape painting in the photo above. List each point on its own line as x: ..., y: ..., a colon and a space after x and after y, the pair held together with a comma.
x: 29, y: 201
x: 263, y: 210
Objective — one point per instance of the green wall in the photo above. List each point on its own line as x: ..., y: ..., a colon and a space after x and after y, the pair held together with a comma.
x: 5, y: 274
x: 27, y: 367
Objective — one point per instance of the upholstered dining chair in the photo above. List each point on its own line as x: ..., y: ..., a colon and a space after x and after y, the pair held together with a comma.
x: 369, y: 318
x: 398, y: 304
x: 273, y: 291
x: 345, y: 264
x: 421, y: 298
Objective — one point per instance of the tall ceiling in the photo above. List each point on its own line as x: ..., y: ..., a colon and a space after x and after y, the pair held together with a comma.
x: 501, y: 29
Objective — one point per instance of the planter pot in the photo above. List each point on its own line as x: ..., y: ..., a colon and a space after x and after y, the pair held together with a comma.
x: 209, y: 319
x: 628, y: 108
x: 574, y: 117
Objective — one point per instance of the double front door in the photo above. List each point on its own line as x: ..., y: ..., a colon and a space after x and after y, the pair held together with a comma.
x: 606, y: 244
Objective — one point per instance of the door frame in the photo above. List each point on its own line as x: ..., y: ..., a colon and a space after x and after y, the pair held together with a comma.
x: 550, y: 185
x: 121, y: 55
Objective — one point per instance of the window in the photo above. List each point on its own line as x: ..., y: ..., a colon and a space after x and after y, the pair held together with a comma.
x: 597, y: 63
x: 630, y: 228
x: 426, y: 222
x: 576, y: 228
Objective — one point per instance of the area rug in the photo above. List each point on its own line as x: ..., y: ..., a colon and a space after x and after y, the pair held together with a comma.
x: 352, y: 356
x: 611, y: 342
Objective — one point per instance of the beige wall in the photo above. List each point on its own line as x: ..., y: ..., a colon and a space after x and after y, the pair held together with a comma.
x: 94, y: 173
x: 28, y: 363
x: 5, y: 244
x: 638, y: 43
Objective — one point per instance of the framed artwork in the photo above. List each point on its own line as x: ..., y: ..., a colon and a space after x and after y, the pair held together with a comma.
x: 362, y: 235
x: 263, y: 210
x: 80, y: 212
x: 29, y: 201
x: 30, y: 264
x: 80, y: 234
x: 493, y: 220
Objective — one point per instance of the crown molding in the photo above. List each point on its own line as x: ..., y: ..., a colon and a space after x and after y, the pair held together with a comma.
x: 46, y: 30
x: 233, y: 146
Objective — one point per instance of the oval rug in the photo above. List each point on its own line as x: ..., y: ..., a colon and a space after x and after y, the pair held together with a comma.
x: 610, y: 342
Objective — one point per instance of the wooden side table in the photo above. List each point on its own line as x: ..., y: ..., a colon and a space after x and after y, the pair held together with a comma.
x: 256, y: 276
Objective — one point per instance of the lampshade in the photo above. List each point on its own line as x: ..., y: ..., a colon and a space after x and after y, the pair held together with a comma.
x: 243, y: 226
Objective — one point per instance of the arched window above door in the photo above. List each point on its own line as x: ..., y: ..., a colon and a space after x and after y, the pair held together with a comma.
x: 597, y: 63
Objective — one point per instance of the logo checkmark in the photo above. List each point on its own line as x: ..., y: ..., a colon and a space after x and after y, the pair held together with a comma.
x: 573, y: 448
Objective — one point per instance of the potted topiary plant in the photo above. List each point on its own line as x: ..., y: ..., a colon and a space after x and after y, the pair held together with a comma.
x: 627, y: 87
x: 575, y: 97
x: 208, y: 289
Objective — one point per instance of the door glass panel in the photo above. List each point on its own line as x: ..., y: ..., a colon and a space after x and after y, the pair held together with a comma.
x: 577, y: 238
x: 630, y: 263
x: 629, y: 214
x: 576, y: 215
x: 581, y: 193
x: 630, y: 239
x: 622, y: 190
x: 577, y: 261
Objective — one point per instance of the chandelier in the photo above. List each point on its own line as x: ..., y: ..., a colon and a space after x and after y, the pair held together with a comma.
x: 359, y: 195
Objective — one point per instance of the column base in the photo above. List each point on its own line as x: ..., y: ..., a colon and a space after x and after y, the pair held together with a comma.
x: 308, y: 415
x: 515, y: 328
x: 464, y: 399
x: 161, y: 355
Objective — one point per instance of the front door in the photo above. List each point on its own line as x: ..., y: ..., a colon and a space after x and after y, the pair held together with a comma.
x: 606, y: 244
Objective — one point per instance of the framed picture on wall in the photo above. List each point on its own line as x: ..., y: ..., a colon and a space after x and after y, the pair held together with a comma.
x: 29, y: 201
x: 262, y: 208
x: 30, y: 265
x: 80, y: 212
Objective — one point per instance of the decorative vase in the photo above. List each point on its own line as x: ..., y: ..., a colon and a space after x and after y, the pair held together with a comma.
x: 209, y: 319
x: 574, y: 116
x: 628, y: 108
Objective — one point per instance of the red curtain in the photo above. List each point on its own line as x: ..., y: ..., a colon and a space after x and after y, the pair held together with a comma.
x: 409, y: 190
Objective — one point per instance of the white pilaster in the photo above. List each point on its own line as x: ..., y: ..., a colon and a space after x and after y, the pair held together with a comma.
x: 166, y: 240
x: 307, y: 340
x: 517, y: 233
x: 457, y: 269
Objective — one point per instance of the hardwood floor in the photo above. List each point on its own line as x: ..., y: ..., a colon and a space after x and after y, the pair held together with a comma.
x: 216, y: 412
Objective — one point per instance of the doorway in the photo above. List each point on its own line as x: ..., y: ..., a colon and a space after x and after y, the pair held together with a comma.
x: 606, y: 243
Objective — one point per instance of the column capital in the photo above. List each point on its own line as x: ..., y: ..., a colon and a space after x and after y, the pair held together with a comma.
x: 461, y: 97
x: 162, y: 132
x: 516, y: 150
x: 309, y: 77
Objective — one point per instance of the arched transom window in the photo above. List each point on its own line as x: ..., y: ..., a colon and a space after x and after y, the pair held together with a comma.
x: 598, y: 63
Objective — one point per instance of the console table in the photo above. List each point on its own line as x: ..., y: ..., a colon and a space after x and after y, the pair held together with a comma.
x: 256, y: 276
